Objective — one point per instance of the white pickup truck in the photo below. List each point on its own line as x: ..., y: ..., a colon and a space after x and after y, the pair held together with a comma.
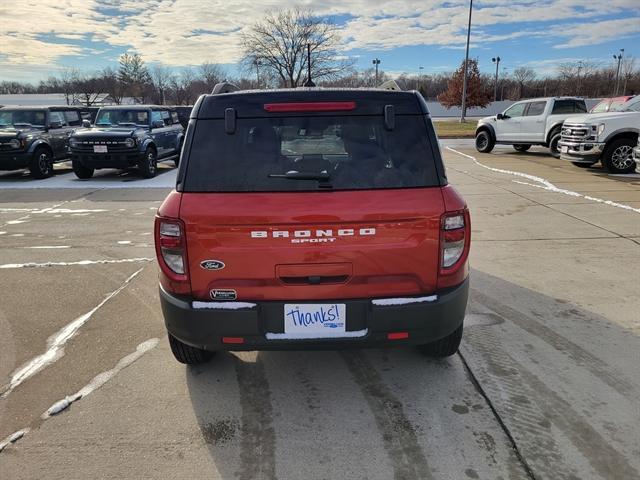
x: 605, y: 137
x: 527, y: 123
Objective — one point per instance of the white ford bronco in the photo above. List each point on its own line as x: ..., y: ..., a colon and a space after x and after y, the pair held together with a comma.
x: 527, y: 123
x: 606, y: 137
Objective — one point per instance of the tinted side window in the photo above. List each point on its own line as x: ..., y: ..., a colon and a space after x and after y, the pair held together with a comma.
x: 57, y: 117
x: 516, y: 110
x: 355, y: 153
x: 73, y: 118
x: 536, y: 108
x: 568, y: 106
x: 166, y: 118
x: 156, y: 116
x: 174, y: 117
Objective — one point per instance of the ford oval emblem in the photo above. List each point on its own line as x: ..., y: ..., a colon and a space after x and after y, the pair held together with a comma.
x: 212, y: 264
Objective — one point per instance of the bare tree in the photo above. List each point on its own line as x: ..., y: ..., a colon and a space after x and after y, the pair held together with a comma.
x: 628, y: 71
x: 68, y: 83
x: 89, y: 87
x: 160, y: 79
x: 279, y: 43
x: 211, y: 74
x: 111, y: 85
x: 523, y: 75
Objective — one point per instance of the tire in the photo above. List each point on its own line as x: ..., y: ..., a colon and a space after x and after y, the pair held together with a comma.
x: 187, y: 354
x: 81, y: 171
x: 584, y: 165
x: 484, y: 142
x: 148, y: 166
x: 519, y: 147
x: 554, y: 138
x: 41, y: 164
x: 445, y: 347
x: 618, y: 156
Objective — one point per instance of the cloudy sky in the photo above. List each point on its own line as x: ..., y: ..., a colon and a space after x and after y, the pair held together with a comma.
x: 41, y: 37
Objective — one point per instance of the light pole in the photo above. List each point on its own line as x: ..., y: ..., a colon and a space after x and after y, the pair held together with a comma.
x: 376, y: 62
x: 257, y: 63
x: 309, y: 81
x: 496, y: 60
x: 466, y: 61
x: 619, y: 58
x: 580, y: 65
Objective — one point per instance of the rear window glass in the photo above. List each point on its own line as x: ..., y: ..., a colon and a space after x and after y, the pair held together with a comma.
x: 568, y: 106
x: 342, y: 153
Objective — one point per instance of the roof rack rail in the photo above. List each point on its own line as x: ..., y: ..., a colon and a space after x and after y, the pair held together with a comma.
x: 224, y: 87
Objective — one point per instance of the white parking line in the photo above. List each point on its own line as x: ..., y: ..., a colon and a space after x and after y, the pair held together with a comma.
x: 66, y: 264
x: 56, y: 342
x: 546, y: 184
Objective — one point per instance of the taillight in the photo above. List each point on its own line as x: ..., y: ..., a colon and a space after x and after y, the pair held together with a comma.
x: 172, y: 245
x: 171, y: 251
x: 309, y: 107
x: 454, y: 247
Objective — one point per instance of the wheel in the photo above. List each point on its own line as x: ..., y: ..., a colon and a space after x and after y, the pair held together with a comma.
x: 521, y: 147
x: 186, y: 353
x: 445, y: 347
x: 584, y: 165
x: 618, y: 156
x: 554, y: 138
x: 41, y: 164
x: 81, y: 171
x: 149, y: 164
x: 484, y: 142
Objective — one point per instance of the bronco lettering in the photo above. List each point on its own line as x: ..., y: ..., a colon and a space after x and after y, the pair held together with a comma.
x: 314, y: 236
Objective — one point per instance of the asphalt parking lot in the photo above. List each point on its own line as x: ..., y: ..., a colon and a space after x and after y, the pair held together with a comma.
x: 545, y: 386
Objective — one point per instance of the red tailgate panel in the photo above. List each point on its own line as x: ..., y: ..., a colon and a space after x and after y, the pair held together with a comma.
x: 311, y: 246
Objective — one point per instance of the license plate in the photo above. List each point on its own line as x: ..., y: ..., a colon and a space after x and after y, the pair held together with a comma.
x: 100, y: 149
x: 564, y: 149
x: 315, y: 320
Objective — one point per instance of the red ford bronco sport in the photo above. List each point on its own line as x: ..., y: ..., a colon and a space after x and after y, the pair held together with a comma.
x: 312, y: 218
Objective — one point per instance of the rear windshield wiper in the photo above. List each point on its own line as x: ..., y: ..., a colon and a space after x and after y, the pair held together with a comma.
x: 294, y: 175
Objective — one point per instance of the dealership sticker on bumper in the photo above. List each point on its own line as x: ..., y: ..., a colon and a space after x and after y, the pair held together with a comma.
x: 315, y: 320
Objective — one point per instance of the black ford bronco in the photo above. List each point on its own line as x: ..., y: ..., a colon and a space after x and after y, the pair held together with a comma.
x: 128, y: 136
x: 36, y: 137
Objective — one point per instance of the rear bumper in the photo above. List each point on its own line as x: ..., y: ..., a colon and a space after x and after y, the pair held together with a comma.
x: 14, y: 160
x: 108, y: 160
x: 581, y: 152
x: 425, y: 321
x: 636, y: 157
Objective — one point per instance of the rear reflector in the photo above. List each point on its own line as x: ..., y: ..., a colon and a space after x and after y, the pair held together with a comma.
x: 233, y: 340
x: 310, y: 107
x: 397, y: 336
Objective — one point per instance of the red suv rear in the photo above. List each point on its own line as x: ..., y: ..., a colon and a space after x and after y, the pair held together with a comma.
x: 312, y: 218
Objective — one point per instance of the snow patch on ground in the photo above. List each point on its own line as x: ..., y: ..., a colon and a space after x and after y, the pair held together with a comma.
x: 56, y: 343
x: 16, y: 222
x: 546, y: 184
x: 223, y: 305
x: 124, y: 242
x: 100, y: 379
x: 403, y: 301
x: 66, y: 264
x: 45, y: 247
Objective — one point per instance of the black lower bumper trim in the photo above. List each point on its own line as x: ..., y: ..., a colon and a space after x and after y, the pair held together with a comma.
x: 424, y: 321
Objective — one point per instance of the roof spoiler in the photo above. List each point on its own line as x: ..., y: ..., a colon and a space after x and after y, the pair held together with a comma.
x: 224, y: 87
